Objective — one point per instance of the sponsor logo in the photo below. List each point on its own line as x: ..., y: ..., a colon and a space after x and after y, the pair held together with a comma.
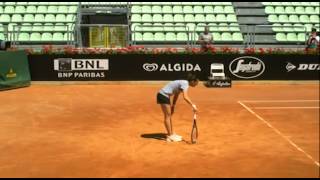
x: 290, y: 67
x: 220, y: 83
x: 247, y: 67
x: 79, y: 68
x: 302, y: 67
x: 11, y: 74
x: 178, y: 67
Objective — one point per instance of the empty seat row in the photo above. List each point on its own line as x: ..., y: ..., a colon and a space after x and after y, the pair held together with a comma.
x: 158, y: 27
x: 182, y: 9
x: 37, y: 18
x: 291, y: 10
x: 293, y: 18
x: 183, y: 3
x: 44, y: 37
x: 183, y: 18
x: 39, y: 27
x: 291, y: 37
x: 184, y: 36
x: 37, y: 9
x: 37, y: 3
x: 291, y: 4
x: 286, y: 27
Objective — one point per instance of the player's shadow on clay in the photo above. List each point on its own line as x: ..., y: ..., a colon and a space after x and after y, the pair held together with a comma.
x: 158, y: 136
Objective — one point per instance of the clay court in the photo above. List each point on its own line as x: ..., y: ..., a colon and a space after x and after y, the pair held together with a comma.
x: 117, y: 131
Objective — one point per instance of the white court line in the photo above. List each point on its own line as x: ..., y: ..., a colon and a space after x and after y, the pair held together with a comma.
x: 278, y: 132
x: 270, y: 101
x: 275, y: 107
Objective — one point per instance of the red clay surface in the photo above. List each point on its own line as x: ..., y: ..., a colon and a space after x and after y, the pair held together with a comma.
x: 113, y: 131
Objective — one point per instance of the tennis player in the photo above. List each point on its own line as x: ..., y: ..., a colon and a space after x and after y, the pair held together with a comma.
x: 173, y: 90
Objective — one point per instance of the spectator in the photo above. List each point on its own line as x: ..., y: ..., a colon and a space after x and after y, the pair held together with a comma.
x: 313, y: 40
x: 205, y: 39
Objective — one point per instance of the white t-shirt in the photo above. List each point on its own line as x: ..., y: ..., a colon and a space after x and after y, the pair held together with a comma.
x: 174, y: 86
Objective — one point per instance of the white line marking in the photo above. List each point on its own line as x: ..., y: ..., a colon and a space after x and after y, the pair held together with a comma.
x: 278, y: 132
x: 275, y: 107
x: 270, y: 101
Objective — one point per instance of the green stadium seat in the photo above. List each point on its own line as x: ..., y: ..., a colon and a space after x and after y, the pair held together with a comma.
x: 188, y: 9
x: 314, y: 19
x: 157, y: 18
x: 299, y: 10
x: 218, y: 9
x: 287, y: 27
x: 1, y: 9
x: 277, y: 27
x: 290, y: 10
x: 60, y: 18
x: 229, y: 10
x: 189, y: 18
x: 37, y: 27
x: 40, y: 18
x: 178, y: 18
x: 57, y: 37
x: 49, y: 18
x: 71, y: 18
x: 136, y: 9
x: 208, y: 9
x: 200, y: 27
x: 157, y: 27
x: 28, y: 18
x: 2, y: 36
x: 60, y: 27
x: 147, y: 37
x: 292, y: 37
x: 273, y: 18
x: 147, y: 27
x: 16, y: 18
x: 283, y: 18
x: 5, y: 18
x: 52, y: 9
x: 213, y: 27
x: 26, y: 27
x: 42, y: 9
x: 308, y: 27
x: 286, y: 3
x: 210, y: 18
x: 182, y: 37
x: 234, y: 27
x: 198, y: 9
x: 168, y: 27
x: 276, y: 3
x: 73, y: 9
x: 200, y: 18
x: 146, y: 9
x: 24, y: 37
x: 281, y: 37
x: 11, y: 26
x: 221, y: 18
x: 32, y: 10
x: 167, y: 9
x: 156, y: 9
x: 316, y: 10
x: 231, y: 18
x: 135, y: 27
x: 305, y: 3
x: 35, y: 37
x: 317, y: 4
x: 137, y: 36
x: 302, y: 37
x: 20, y: 10
x: 136, y: 18
x: 223, y: 27
x: 159, y: 36
x: 237, y: 37
x: 9, y: 9
x: 216, y: 36
x: 279, y: 10
x: 68, y: 37
x: 171, y: 37
x: 48, y: 27
x: 191, y: 26
x: 63, y: 9
x: 168, y: 18
x: 146, y: 18
x: 304, y: 19
x: 294, y: 19
x: 298, y: 27
x: 177, y: 10
x: 269, y: 10
x: 180, y: 27
x: 46, y: 37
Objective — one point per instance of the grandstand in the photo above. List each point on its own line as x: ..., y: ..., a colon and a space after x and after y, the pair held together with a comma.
x: 162, y: 23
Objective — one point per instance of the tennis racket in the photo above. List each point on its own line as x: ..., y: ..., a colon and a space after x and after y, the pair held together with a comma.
x: 194, y: 132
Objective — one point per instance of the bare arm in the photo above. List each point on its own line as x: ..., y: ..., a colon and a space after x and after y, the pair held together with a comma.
x: 187, y: 99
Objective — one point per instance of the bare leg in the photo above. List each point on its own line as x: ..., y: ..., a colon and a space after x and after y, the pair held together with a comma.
x: 167, y: 118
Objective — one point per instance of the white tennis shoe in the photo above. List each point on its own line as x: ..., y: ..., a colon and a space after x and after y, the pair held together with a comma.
x: 173, y: 138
